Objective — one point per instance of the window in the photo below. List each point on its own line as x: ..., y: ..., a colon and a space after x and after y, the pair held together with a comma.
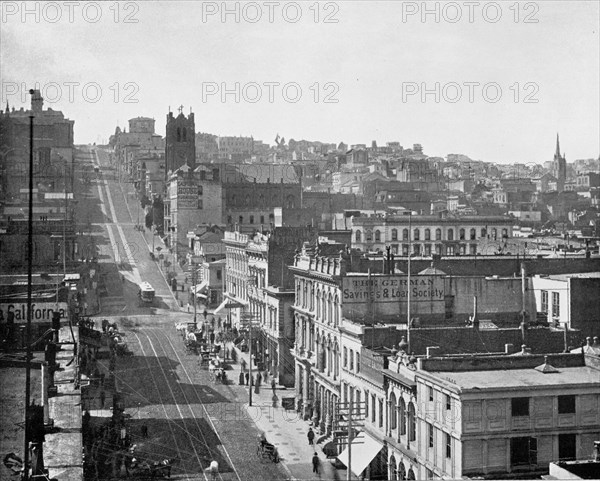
x: 345, y: 357
x: 405, y: 249
x: 448, y: 445
x: 448, y: 402
x: 519, y: 406
x: 380, y: 413
x: 262, y: 219
x: 438, y: 234
x: 494, y: 233
x: 430, y: 431
x: 430, y: 393
x: 377, y: 236
x: 461, y: 234
x: 544, y: 301
x: 450, y: 234
x: 483, y: 233
x: 241, y: 219
x: 369, y: 235
x: 427, y: 234
x: 351, y: 360
x: 200, y: 204
x: 427, y: 249
x: 219, y: 275
x: 417, y: 234
x: 504, y: 233
x: 523, y: 451
x: 251, y: 219
x: 555, y: 304
x: 373, y: 408
x: 357, y: 362
x: 566, y: 404
x: 473, y: 249
x: 472, y: 234
x: 404, y: 234
x: 358, y: 236
x: 567, y: 447
x: 417, y: 249
x: 394, y: 234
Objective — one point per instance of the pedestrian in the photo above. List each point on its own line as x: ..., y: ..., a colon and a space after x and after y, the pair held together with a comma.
x: 102, y: 398
x: 258, y: 379
x: 247, y: 379
x: 144, y: 430
x: 273, y: 385
x: 311, y: 437
x: 188, y: 307
x: 316, y: 462
x: 213, y: 469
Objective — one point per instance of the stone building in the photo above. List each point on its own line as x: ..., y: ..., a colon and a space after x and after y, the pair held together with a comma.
x: 180, y: 142
x: 259, y: 281
x: 425, y: 235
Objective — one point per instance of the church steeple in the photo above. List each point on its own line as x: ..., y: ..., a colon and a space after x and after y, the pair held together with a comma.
x: 557, y: 154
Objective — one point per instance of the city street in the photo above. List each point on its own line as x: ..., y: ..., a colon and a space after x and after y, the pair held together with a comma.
x: 189, y: 418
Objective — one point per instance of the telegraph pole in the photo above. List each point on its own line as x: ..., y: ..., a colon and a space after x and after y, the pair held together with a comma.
x: 29, y: 294
x: 408, y: 283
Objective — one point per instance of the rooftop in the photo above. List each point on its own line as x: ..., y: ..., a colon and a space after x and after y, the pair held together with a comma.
x: 520, y: 379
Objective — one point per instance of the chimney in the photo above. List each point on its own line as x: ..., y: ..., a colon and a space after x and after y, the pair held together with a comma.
x: 566, y: 338
x: 37, y: 102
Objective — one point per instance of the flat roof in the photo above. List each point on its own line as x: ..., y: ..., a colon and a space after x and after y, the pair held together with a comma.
x: 519, y: 378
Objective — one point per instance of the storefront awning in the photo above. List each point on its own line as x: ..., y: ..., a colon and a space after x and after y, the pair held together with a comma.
x: 228, y: 304
x: 364, y: 450
x: 199, y: 287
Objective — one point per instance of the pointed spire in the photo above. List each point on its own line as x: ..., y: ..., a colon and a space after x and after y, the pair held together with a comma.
x: 557, y: 146
x: 7, y: 109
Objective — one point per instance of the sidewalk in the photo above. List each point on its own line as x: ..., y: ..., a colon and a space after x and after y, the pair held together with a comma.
x: 283, y: 428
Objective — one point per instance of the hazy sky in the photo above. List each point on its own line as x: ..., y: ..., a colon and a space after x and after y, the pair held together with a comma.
x: 507, y: 76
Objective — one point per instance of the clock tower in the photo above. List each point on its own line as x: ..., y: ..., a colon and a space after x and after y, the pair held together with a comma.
x: 180, y: 145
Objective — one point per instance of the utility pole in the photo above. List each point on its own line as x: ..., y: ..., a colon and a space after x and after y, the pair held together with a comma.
x: 408, y: 283
x: 29, y: 295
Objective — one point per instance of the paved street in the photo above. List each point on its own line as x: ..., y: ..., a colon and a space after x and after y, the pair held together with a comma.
x: 188, y: 416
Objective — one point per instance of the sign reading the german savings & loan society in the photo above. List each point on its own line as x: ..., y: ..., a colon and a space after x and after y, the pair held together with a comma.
x: 386, y: 293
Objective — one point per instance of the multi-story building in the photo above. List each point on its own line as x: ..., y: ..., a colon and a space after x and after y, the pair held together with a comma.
x: 258, y: 279
x: 425, y: 235
x: 180, y: 142
x: 504, y: 415
x: 569, y: 300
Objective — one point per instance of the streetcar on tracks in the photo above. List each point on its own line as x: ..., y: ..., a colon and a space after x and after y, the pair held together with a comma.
x: 146, y: 294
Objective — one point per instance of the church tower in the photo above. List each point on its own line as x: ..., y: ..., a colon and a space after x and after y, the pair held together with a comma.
x: 559, y: 168
x: 180, y: 142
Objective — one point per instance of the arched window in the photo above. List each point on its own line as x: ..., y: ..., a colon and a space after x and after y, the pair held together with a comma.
x: 336, y: 311
x: 318, y: 303
x: 394, y: 234
x: 369, y: 235
x: 450, y: 234
x: 504, y: 233
x: 427, y: 234
x: 412, y: 431
x: 393, y: 469
x: 358, y: 236
x: 402, y: 416
x: 472, y: 234
x: 417, y: 234
x: 184, y: 134
x: 438, y: 234
x: 461, y: 234
x: 393, y: 413
x: 404, y: 234
x: 494, y: 233
x: 329, y: 309
x: 483, y: 233
x: 324, y: 307
x: 377, y: 236
x: 178, y: 134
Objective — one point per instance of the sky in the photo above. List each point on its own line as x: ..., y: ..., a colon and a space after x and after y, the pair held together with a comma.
x: 492, y: 80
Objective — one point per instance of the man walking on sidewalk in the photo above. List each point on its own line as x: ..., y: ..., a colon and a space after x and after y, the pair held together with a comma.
x: 316, y: 462
x: 311, y: 437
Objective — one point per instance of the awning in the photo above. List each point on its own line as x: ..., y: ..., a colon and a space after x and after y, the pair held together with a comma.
x: 228, y: 304
x: 201, y: 296
x: 364, y: 450
x: 199, y: 287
